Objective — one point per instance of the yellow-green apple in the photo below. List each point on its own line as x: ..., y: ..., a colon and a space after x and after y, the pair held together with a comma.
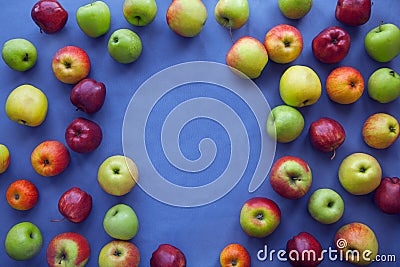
x: 344, y: 85
x: 353, y: 12
x: 121, y: 222
x: 139, y: 12
x: 27, y: 105
x: 259, y: 217
x: 117, y: 175
x: 4, y: 158
x: 70, y: 64
x: 290, y: 177
x: 50, y: 158
x: 380, y: 130
x: 94, y: 19
x: 124, y: 46
x: 83, y: 135
x: 284, y: 43
x: 300, y: 86
x: 19, y: 54
x: 49, y: 15
x: 167, y: 255
x: 23, y: 241
x: 68, y: 249
x: 383, y: 42
x: 357, y: 242
x: 295, y: 9
x: 331, y: 45
x: 234, y: 255
x: 326, y: 135
x: 232, y: 14
x: 88, y: 95
x: 186, y: 17
x: 119, y: 253
x: 75, y: 205
x: 284, y: 123
x: 360, y: 173
x: 249, y: 56
x: 384, y: 85
x: 304, y: 250
x: 387, y: 195
x: 325, y: 205
x: 22, y: 194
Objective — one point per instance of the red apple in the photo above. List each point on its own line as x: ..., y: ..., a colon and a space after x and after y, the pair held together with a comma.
x: 83, y: 135
x: 88, y: 95
x: 353, y: 12
x: 167, y: 255
x: 344, y: 85
x: 50, y: 158
x: 49, y: 15
x: 380, y: 130
x: 284, y: 43
x: 304, y: 250
x: 22, y: 195
x: 68, y: 249
x: 331, y: 45
x: 70, y: 64
x: 235, y: 255
x: 259, y: 217
x: 326, y: 135
x: 119, y: 253
x: 290, y: 177
x: 387, y: 195
x: 75, y: 205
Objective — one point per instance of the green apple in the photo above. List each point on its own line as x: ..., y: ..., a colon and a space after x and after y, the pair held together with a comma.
x: 295, y: 9
x: 383, y: 42
x: 124, y: 46
x: 119, y: 253
x: 380, y: 130
x: 360, y: 173
x: 186, y: 17
x: 27, y: 105
x: 284, y: 123
x: 357, y: 243
x: 23, y: 241
x: 121, y: 222
x: 300, y: 86
x: 94, y: 19
x: 232, y: 14
x: 249, y: 56
x: 139, y: 12
x: 19, y: 54
x: 384, y: 85
x: 117, y: 175
x: 326, y: 206
x: 4, y: 158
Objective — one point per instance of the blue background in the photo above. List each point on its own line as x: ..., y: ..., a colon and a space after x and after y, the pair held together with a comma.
x: 201, y: 233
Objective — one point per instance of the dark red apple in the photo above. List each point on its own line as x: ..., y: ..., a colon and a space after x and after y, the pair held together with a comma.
x: 387, y: 195
x: 83, y: 135
x: 49, y: 15
x: 303, y: 250
x: 88, y: 95
x: 326, y: 135
x: 167, y: 256
x: 331, y: 45
x: 75, y: 205
x: 353, y: 12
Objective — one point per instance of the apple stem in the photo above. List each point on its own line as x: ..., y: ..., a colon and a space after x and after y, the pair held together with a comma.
x: 59, y: 220
x: 391, y: 72
x: 334, y: 154
x: 380, y: 26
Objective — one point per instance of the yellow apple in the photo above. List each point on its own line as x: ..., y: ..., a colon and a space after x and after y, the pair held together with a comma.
x: 300, y: 86
x: 4, y: 158
x: 27, y: 105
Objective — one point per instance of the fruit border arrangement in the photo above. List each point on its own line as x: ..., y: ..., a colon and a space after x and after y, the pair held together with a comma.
x: 362, y: 177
